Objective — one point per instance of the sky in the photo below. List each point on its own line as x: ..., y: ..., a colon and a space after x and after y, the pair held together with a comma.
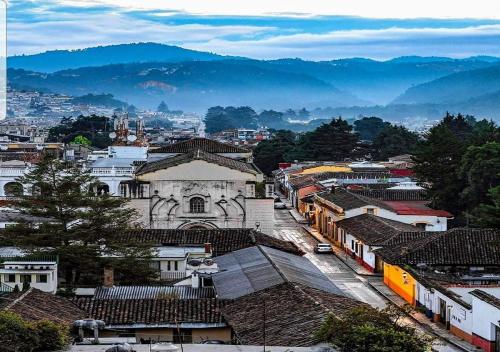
x: 263, y: 29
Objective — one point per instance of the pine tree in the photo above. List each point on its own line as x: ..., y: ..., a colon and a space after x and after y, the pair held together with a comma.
x: 83, y: 228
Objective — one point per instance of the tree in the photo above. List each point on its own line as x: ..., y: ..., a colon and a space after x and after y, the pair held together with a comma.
x: 162, y: 107
x: 51, y: 336
x: 369, y: 127
x: 39, y: 336
x: 83, y: 228
x: 82, y: 140
x: 332, y: 141
x: 437, y: 161
x: 453, y: 164
x: 271, y: 119
x: 488, y: 215
x: 94, y: 128
x: 364, y: 329
x: 267, y: 154
x: 219, y: 118
x: 480, y: 167
x: 393, y: 140
x: 15, y: 332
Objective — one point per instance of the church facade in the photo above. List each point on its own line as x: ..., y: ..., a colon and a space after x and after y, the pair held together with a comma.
x: 192, y: 188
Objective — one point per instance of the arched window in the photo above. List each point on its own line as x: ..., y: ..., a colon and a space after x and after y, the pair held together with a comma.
x: 13, y: 189
x: 197, y: 205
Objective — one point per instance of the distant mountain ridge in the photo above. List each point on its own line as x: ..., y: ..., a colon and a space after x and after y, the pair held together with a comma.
x: 454, y: 88
x: 193, y: 85
x: 144, y: 74
x: 52, y: 61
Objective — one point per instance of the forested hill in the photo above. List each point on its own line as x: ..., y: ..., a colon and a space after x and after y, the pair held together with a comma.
x: 57, y: 60
x: 455, y: 88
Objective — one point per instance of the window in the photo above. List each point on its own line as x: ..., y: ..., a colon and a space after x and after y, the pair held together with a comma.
x: 42, y: 278
x: 197, y: 205
x: 10, y: 278
x: 421, y: 225
x: 176, y: 265
x: 370, y: 211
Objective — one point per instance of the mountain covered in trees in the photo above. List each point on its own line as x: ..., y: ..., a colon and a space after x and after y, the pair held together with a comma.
x: 145, y: 74
x: 477, y: 84
x: 57, y: 60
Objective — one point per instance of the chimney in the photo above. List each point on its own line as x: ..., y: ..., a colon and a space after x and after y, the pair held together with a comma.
x: 332, y: 189
x: 195, y: 280
x: 208, y: 249
x: 109, y: 277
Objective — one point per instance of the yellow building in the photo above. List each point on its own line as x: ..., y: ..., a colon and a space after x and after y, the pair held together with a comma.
x: 325, y: 168
x: 401, y: 282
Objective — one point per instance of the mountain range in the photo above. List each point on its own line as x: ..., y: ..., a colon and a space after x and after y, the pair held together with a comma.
x: 143, y: 74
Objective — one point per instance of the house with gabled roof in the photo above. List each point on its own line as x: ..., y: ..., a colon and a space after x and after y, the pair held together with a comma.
x: 454, y: 276
x: 403, y: 206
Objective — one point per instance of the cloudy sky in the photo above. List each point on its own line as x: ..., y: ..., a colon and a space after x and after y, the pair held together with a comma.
x: 309, y: 29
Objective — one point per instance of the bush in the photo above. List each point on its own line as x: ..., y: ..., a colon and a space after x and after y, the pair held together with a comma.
x: 51, y: 336
x: 368, y: 329
x: 40, y: 336
x: 16, y: 333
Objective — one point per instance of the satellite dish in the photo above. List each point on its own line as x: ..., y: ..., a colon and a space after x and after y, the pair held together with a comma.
x: 131, y: 138
x: 112, y: 135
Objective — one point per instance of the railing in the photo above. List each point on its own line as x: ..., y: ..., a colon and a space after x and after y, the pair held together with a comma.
x: 5, y: 288
x: 115, y: 171
x: 13, y: 171
x: 172, y: 275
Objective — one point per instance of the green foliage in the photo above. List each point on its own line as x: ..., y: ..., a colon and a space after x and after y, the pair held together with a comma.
x: 94, y: 128
x: 269, y: 153
x: 393, y: 140
x: 488, y: 214
x: 39, y: 336
x: 369, y: 127
x: 332, y: 141
x: 85, y: 227
x: 51, y: 336
x: 81, y: 140
x: 458, y: 164
x: 17, y: 333
x: 219, y: 118
x: 364, y: 329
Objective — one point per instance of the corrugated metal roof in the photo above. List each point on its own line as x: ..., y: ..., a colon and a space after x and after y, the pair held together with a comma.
x: 152, y: 292
x: 256, y: 268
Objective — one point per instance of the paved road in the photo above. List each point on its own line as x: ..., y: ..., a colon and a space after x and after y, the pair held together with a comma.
x: 340, y: 274
x: 353, y: 285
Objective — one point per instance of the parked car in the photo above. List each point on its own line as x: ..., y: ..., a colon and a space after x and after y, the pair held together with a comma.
x: 213, y: 342
x: 323, y: 248
x: 278, y: 204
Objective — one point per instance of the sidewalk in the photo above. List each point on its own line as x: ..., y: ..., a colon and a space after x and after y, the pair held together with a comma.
x: 343, y: 256
x: 296, y: 215
x: 421, y: 319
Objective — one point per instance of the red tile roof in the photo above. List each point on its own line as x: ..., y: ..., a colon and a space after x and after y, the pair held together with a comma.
x: 416, y: 208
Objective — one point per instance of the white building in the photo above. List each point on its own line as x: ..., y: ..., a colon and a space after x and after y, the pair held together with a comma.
x: 18, y: 268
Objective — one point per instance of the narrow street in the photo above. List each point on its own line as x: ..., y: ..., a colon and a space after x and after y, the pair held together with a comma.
x: 352, y: 284
x: 340, y: 274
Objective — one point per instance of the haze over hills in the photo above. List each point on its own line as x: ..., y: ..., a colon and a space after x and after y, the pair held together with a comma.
x: 454, y: 88
x: 52, y: 61
x: 146, y: 73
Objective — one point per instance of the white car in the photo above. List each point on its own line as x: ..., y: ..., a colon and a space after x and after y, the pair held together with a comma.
x: 278, y: 204
x: 323, y: 248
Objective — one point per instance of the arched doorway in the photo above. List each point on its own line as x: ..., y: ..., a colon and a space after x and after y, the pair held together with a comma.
x: 100, y: 188
x: 13, y: 189
x: 197, y: 226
